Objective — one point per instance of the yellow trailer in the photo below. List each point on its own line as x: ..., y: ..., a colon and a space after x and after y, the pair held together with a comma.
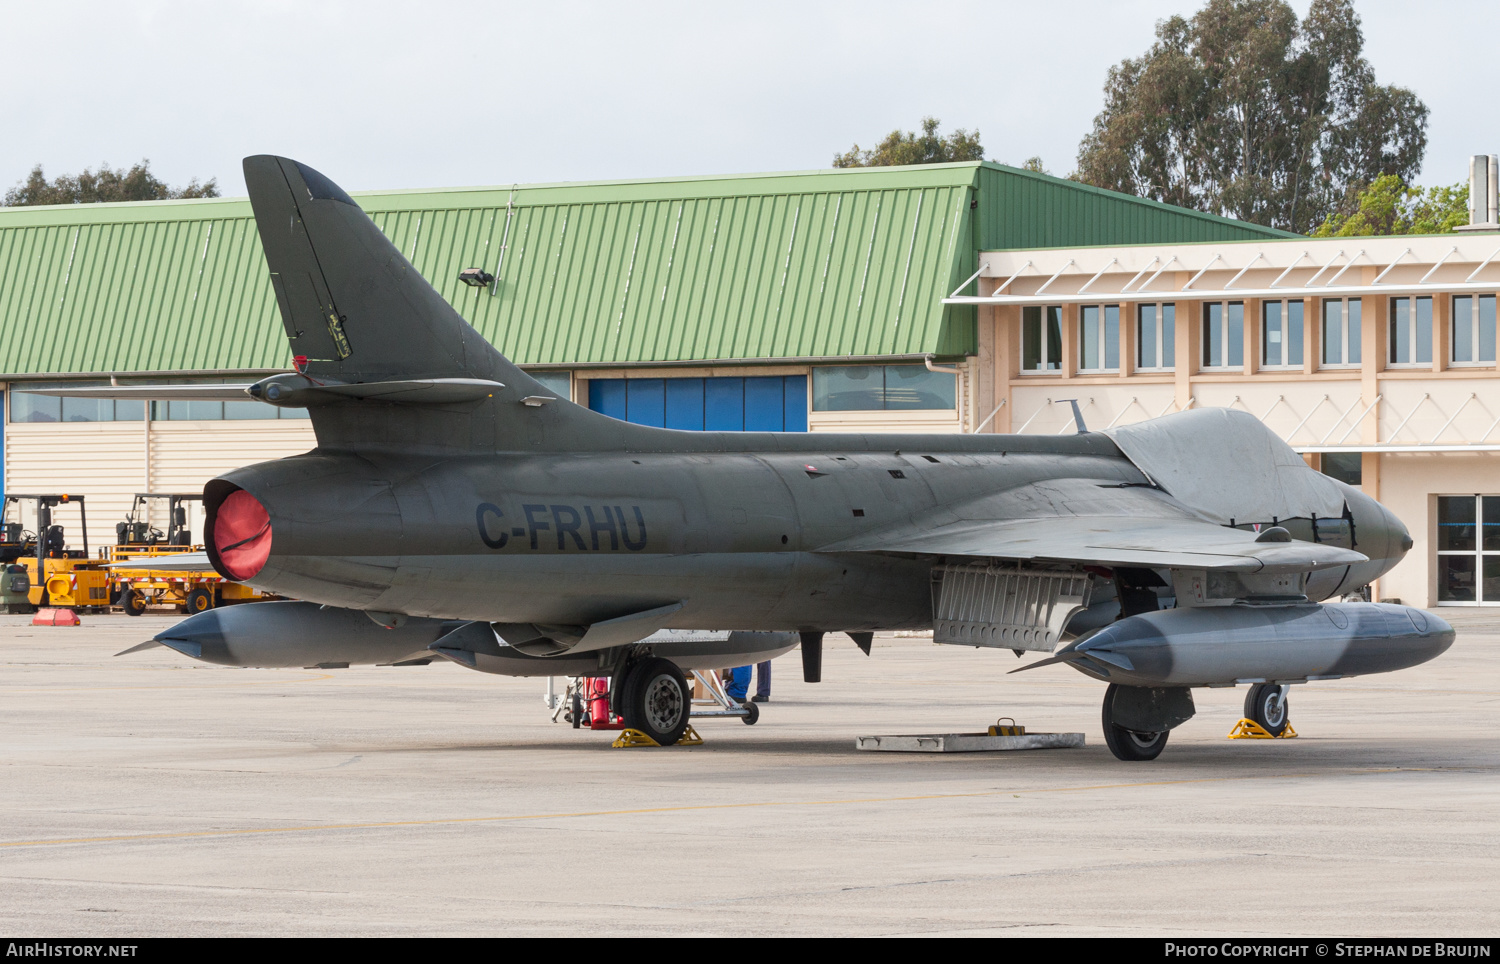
x: 140, y: 586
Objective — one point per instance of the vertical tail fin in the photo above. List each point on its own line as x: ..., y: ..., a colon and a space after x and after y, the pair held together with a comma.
x: 358, y: 312
x: 352, y: 305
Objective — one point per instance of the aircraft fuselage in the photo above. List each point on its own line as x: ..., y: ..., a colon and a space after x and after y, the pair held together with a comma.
x: 738, y: 537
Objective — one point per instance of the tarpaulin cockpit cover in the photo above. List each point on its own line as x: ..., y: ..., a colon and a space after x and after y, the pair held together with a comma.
x: 242, y: 535
x: 1226, y: 464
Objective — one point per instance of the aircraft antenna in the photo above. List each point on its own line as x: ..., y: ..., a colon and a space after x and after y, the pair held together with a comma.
x: 1077, y: 415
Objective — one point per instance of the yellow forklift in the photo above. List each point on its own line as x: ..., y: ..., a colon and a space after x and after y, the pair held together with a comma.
x: 56, y: 575
x: 138, y: 588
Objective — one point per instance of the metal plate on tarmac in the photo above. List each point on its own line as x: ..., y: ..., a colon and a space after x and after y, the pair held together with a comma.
x: 968, y: 742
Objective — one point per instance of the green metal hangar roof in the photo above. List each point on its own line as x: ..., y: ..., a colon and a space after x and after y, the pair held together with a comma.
x: 830, y: 265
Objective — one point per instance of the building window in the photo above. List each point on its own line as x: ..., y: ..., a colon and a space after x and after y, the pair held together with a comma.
x: 874, y: 388
x: 1224, y: 334
x: 1041, y: 338
x: 1468, y: 549
x: 1281, y: 334
x: 558, y: 383
x: 1347, y: 467
x: 1099, y: 338
x: 1473, y: 329
x: 1411, y: 331
x: 1156, y: 337
x: 27, y: 406
x: 767, y: 403
x: 1341, y: 331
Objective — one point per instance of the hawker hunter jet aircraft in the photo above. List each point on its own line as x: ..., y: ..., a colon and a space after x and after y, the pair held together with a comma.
x: 454, y: 507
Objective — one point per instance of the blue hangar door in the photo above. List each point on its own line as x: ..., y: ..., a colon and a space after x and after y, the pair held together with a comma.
x: 775, y: 403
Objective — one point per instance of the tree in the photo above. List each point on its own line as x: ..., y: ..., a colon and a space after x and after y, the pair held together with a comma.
x: 1387, y: 206
x: 105, y: 184
x: 908, y: 148
x: 1243, y: 111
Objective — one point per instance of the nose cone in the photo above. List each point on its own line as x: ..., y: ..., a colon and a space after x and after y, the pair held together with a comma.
x: 1436, y: 634
x: 1401, y: 536
x: 200, y: 636
x: 1378, y: 534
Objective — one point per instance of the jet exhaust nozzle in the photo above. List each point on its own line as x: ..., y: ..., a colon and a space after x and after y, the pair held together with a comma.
x: 239, y: 535
x: 1246, y: 642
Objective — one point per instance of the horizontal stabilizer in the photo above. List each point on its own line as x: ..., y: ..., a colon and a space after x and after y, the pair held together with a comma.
x: 296, y: 391
x: 155, y: 393
x: 424, y: 390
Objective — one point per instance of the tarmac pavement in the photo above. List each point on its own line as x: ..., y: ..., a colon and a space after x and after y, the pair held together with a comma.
x: 152, y: 795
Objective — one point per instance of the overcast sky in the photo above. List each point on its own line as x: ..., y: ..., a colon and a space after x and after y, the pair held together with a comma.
x: 381, y: 95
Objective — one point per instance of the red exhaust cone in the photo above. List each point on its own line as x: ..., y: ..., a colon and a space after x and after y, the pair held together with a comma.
x: 242, y: 535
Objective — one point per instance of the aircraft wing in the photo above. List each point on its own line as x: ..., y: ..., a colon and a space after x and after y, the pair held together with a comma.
x: 1053, y: 522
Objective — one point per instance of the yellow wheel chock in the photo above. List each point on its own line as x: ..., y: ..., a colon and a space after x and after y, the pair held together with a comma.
x: 1247, y: 729
x: 630, y: 737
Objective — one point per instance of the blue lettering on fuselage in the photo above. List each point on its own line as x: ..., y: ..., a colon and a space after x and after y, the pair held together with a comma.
x: 593, y: 528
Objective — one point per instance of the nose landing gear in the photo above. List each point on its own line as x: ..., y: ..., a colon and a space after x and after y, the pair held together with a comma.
x: 1267, y: 706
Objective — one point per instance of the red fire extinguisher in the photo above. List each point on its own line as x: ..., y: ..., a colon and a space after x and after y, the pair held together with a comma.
x: 598, y: 693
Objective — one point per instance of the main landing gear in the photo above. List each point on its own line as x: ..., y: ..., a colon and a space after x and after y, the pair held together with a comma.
x: 1126, y: 744
x: 1137, y: 719
x: 654, y: 698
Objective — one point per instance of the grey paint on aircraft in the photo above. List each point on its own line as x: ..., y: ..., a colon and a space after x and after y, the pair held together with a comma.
x: 439, y: 490
x: 1205, y: 646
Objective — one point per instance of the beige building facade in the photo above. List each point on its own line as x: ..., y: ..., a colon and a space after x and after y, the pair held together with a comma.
x: 1373, y: 357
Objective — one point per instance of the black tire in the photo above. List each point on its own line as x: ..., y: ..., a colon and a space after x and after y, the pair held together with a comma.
x: 576, y: 710
x: 1264, y: 706
x: 132, y: 602
x: 1129, y: 745
x: 656, y: 700
x: 752, y: 713
x: 199, y: 601
x: 114, y: 595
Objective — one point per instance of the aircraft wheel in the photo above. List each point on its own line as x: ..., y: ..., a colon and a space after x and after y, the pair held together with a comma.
x: 753, y: 709
x: 1129, y: 745
x: 656, y: 700
x: 132, y: 602
x: 1264, y: 705
x: 198, y: 601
